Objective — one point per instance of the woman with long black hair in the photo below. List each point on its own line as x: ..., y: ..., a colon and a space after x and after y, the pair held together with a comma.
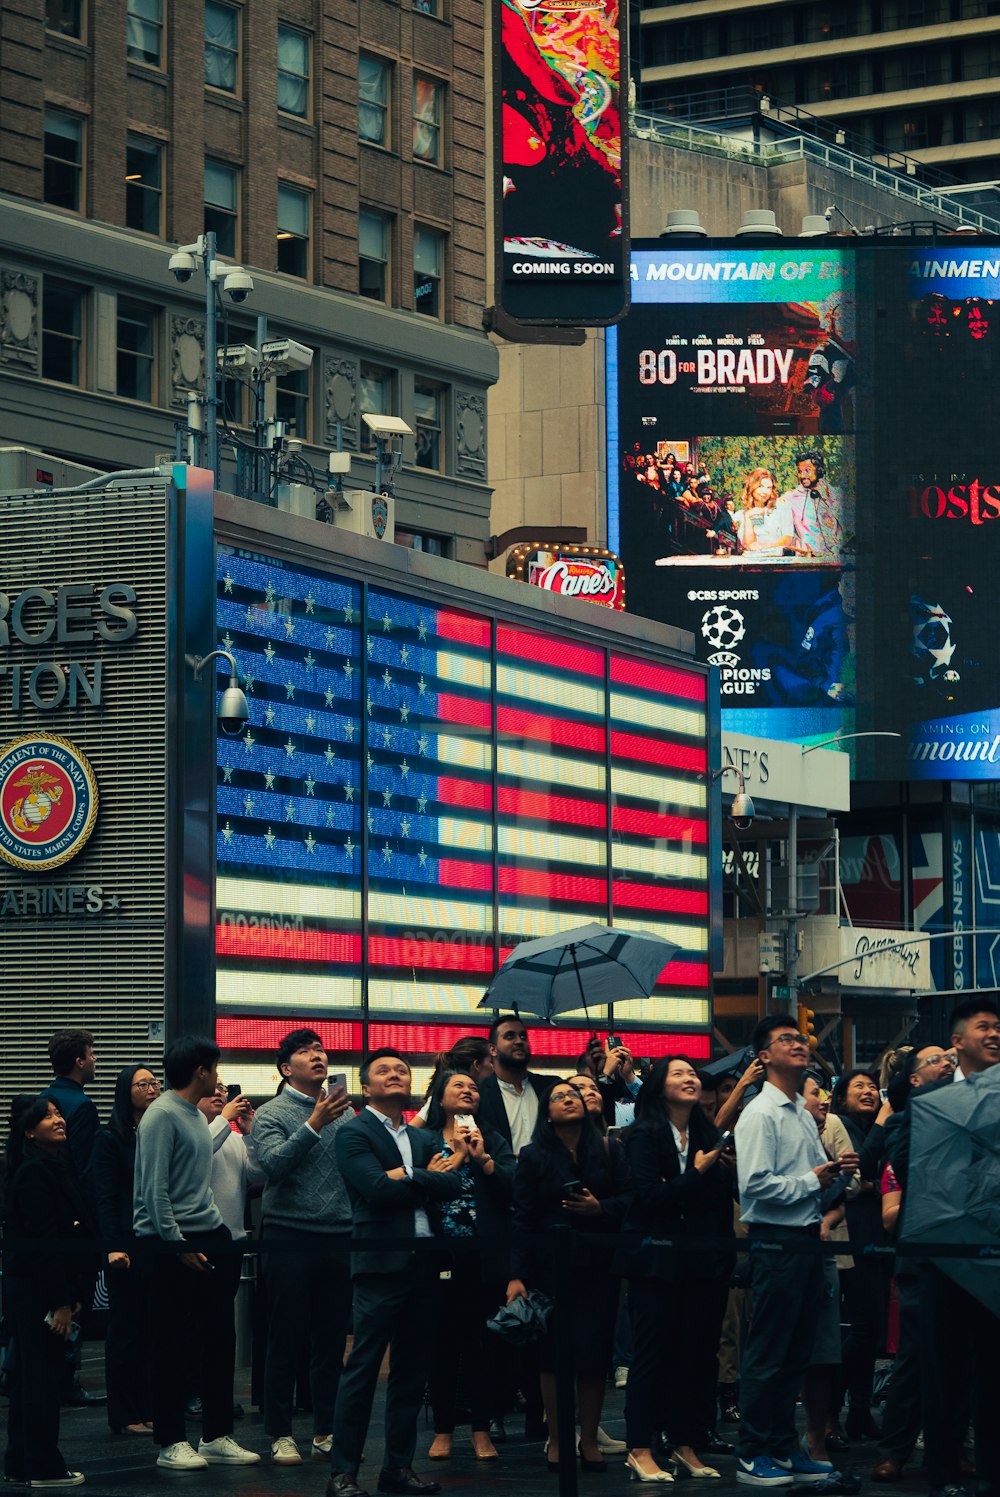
x: 46, y: 1282
x: 679, y: 1191
x: 112, y: 1167
x: 569, y: 1174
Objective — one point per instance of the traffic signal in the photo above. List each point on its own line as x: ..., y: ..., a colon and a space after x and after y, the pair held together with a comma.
x: 807, y: 1026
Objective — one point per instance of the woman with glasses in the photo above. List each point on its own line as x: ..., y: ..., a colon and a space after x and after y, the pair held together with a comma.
x: 126, y: 1349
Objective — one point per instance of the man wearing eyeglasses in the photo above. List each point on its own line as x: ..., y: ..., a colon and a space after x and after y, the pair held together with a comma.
x: 783, y: 1171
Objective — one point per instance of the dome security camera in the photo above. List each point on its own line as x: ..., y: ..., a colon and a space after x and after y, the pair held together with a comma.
x: 741, y: 812
x: 182, y: 265
x: 234, y: 711
x: 238, y: 285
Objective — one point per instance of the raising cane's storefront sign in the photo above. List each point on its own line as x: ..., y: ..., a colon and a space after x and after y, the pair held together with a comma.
x: 587, y: 572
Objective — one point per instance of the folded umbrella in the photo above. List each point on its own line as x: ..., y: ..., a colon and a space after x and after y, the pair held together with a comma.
x: 590, y: 964
x: 524, y: 1320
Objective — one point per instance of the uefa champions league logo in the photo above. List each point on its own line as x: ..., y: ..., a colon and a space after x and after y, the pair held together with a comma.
x: 723, y: 627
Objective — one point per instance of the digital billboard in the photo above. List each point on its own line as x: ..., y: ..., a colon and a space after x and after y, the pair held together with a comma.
x: 420, y: 787
x: 561, y: 210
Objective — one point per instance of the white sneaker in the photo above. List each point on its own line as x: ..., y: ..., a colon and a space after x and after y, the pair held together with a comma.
x: 322, y: 1445
x: 621, y: 1377
x: 608, y: 1443
x: 225, y: 1452
x: 68, y: 1479
x: 181, y: 1457
x: 285, y: 1452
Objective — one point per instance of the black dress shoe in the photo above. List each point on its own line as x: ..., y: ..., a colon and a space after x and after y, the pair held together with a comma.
x: 344, y: 1484
x: 712, y: 1443
x: 498, y: 1432
x: 405, y: 1480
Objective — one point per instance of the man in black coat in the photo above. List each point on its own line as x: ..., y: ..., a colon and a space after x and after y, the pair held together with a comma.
x: 508, y: 1100
x: 391, y: 1172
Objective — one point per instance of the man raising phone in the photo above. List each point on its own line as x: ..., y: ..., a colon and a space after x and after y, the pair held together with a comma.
x: 306, y: 1206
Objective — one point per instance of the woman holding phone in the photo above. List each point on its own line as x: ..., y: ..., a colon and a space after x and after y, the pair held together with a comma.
x: 679, y: 1191
x: 569, y: 1175
x: 478, y: 1221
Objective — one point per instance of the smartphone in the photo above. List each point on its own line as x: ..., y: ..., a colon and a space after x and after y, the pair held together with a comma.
x: 645, y: 1066
x: 465, y: 1120
x: 725, y: 1140
x: 614, y: 1040
x: 336, y: 1082
x: 233, y: 1090
x: 74, y: 1329
x: 836, y: 1166
x: 572, y: 1188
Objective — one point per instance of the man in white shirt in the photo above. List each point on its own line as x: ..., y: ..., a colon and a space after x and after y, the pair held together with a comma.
x: 508, y: 1100
x: 975, y: 1034
x: 783, y: 1171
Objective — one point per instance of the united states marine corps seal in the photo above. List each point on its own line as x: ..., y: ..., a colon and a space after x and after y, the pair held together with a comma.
x: 48, y: 801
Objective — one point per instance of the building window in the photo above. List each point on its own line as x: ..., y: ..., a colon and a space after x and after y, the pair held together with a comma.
x: 373, y: 101
x: 428, y: 401
x: 428, y: 261
x: 427, y: 95
x: 136, y: 349
x: 222, y: 46
x: 144, y: 185
x: 62, y: 332
x: 293, y: 72
x: 373, y: 255
x: 63, y: 177
x: 65, y: 17
x: 427, y: 7
x: 145, y: 31
x: 291, y: 403
x: 222, y: 206
x: 376, y: 397
x: 293, y: 230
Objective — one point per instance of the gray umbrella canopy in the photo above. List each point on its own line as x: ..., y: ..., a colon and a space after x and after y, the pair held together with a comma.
x: 953, y: 1190
x: 590, y: 965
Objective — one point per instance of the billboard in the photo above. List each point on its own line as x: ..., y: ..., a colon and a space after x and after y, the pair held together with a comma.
x: 561, y: 211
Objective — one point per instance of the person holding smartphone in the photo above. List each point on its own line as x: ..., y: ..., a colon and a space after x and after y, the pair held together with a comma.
x: 306, y: 1207
x: 44, y: 1290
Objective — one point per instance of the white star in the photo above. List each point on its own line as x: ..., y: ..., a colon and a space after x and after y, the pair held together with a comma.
x: 422, y: 630
x: 310, y: 602
x: 404, y: 827
x: 371, y: 763
x: 349, y: 729
x: 227, y: 774
x: 290, y: 689
x: 310, y: 785
x: 348, y: 792
x: 404, y: 655
x: 371, y: 822
x: 421, y: 857
x: 387, y: 797
x: 227, y: 832
x: 310, y: 661
x: 270, y: 839
x: 289, y: 810
x: 404, y: 769
x: 115, y: 902
x: 421, y: 686
x: 348, y: 669
x: 348, y: 614
x: 269, y: 716
x: 386, y: 623
x: 370, y: 643
x: 404, y: 713
x: 328, y: 694
x: 269, y: 652
x: 349, y: 848
x: 248, y: 805
x: 249, y: 741
x: 269, y: 592
x: 386, y: 678
x: 423, y: 743
x: 289, y: 627
x: 310, y: 843
x: 329, y: 753
x: 386, y: 737
x: 369, y: 704
x: 422, y: 804
x: 310, y: 722
x: 227, y: 640
x: 387, y: 853
x: 228, y: 584
x: 330, y: 815
x: 269, y: 779
x: 290, y: 747
x: 249, y: 615
x: 329, y: 636
x: 249, y: 681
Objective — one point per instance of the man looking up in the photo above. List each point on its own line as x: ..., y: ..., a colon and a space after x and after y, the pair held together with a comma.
x: 975, y: 1034
x: 508, y: 1100
x: 71, y: 1055
x: 783, y: 1171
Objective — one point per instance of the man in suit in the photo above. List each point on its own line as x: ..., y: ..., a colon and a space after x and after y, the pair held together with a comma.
x: 508, y: 1100
x: 391, y: 1172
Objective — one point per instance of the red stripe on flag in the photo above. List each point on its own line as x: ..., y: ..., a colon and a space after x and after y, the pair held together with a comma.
x: 453, y: 709
x: 434, y: 956
x: 659, y: 680
x: 652, y: 824
x: 684, y: 975
x: 534, y: 884
x: 428, y: 1039
x: 262, y: 945
x: 463, y: 628
x: 474, y: 794
x: 584, y: 737
x: 546, y: 649
x: 665, y: 751
x: 630, y: 896
x: 342, y: 1035
x: 538, y: 806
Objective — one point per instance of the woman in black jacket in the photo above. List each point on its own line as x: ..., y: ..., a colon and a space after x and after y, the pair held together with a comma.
x: 112, y: 1168
x: 677, y: 1299
x: 46, y: 1281
x: 480, y: 1217
x: 570, y: 1175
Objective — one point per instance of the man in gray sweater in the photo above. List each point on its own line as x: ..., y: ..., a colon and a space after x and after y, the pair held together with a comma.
x: 193, y: 1328
x: 306, y: 1207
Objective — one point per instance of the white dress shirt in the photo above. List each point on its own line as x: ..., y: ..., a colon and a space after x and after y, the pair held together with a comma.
x: 777, y: 1150
x: 421, y: 1221
x: 682, y: 1148
x: 522, y: 1111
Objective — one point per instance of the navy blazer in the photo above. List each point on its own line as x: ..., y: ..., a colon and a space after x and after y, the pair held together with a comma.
x: 380, y: 1207
x: 492, y: 1113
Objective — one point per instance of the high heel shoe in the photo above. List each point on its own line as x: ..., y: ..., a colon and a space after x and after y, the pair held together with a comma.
x: 636, y: 1473
x: 699, y: 1471
x: 587, y: 1465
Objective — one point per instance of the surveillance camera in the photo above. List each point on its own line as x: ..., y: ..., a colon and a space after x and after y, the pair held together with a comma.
x: 238, y: 285
x: 234, y: 711
x: 387, y: 426
x: 741, y: 813
x: 238, y: 356
x: 285, y: 356
x: 182, y: 265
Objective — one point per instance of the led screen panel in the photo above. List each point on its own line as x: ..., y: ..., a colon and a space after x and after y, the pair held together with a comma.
x: 421, y: 787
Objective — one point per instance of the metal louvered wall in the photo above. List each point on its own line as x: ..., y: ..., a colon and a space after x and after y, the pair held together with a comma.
x: 103, y: 971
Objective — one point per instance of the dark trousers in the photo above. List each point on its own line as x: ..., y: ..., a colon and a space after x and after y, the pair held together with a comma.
x: 35, y: 1380
x: 462, y: 1357
x: 901, y: 1414
x: 126, y: 1345
x: 308, y: 1300
x: 394, y: 1311
x: 960, y: 1336
x: 865, y: 1302
x: 671, y: 1382
x: 787, y: 1294
x: 194, y: 1339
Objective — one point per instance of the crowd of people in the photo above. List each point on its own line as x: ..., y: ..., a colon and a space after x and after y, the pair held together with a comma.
x: 693, y: 515
x: 408, y: 1237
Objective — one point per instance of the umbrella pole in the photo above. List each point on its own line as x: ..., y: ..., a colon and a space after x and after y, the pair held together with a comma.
x: 579, y: 983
